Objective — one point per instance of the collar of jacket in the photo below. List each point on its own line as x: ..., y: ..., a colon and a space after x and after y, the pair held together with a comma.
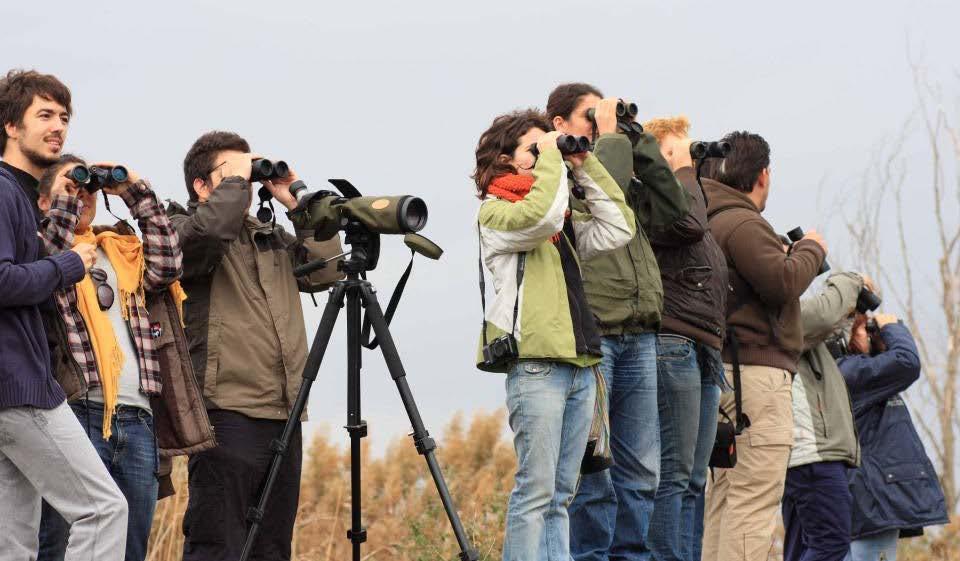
x: 722, y: 197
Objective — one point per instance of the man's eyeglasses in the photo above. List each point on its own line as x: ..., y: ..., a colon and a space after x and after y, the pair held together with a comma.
x: 105, y: 294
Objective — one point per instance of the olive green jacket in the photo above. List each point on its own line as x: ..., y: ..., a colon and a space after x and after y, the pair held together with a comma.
x: 623, y: 286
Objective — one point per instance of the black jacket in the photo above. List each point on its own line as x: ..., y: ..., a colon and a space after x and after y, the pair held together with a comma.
x: 693, y: 271
x: 895, y: 486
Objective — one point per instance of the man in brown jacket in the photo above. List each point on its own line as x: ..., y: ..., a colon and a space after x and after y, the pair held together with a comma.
x: 763, y: 315
x: 248, y: 344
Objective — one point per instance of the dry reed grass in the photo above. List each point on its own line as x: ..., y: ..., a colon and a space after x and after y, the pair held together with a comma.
x: 402, y: 512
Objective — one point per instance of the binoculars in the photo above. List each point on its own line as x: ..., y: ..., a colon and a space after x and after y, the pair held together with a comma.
x: 867, y: 301
x: 626, y: 118
x: 626, y: 111
x: 568, y: 144
x: 263, y: 169
x: 709, y: 149
x: 95, y: 178
x: 796, y: 235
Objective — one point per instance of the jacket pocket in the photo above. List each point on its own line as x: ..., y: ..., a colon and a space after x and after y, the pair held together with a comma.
x: 695, y: 278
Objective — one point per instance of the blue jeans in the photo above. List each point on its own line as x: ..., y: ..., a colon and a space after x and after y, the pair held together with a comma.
x: 131, y: 458
x: 687, y: 432
x: 817, y: 510
x: 878, y: 547
x: 693, y: 500
x: 551, y: 408
x: 611, y: 512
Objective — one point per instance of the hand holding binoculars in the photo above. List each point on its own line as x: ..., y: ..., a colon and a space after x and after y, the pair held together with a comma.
x: 626, y: 117
x: 796, y: 235
x: 94, y: 178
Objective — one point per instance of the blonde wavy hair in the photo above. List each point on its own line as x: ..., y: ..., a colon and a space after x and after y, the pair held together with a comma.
x: 662, y: 126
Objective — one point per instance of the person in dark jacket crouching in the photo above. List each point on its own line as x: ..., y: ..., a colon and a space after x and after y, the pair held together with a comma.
x: 689, y: 366
x: 895, y: 489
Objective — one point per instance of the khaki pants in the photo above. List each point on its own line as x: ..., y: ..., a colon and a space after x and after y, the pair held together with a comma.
x: 742, y: 503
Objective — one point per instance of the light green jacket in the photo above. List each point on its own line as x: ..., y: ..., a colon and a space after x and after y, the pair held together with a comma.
x: 544, y: 327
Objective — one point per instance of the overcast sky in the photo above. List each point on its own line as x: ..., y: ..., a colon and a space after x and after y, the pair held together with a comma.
x: 393, y: 96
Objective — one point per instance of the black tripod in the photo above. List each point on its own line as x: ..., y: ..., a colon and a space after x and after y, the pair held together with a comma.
x: 357, y: 292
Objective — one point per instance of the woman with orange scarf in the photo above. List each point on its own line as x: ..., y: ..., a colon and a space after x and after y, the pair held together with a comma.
x: 539, y: 329
x: 110, y: 337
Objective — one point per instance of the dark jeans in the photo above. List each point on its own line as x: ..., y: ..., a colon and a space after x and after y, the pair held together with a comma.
x: 611, y: 512
x: 131, y: 458
x: 816, y: 513
x: 688, y: 401
x: 225, y: 482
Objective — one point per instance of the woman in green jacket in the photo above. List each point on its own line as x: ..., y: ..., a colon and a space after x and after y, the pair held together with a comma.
x: 539, y: 329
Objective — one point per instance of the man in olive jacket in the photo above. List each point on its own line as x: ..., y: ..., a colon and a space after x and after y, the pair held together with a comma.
x: 248, y: 344
x: 816, y: 500
x: 611, y: 512
x: 763, y: 317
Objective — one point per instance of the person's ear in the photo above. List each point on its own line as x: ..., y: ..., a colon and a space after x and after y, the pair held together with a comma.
x: 558, y: 122
x: 11, y: 130
x: 504, y: 159
x: 765, y: 177
x: 201, y: 188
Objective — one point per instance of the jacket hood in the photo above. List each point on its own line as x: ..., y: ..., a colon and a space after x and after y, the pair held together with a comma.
x: 720, y: 197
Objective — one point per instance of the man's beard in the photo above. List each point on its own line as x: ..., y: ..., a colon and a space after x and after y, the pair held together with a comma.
x: 38, y: 159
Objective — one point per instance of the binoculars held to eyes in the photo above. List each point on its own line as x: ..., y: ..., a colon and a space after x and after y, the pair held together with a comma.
x: 94, y: 178
x: 796, y: 235
x: 568, y: 144
x: 709, y: 149
x: 626, y: 111
x: 867, y: 301
x: 262, y: 169
x: 626, y: 117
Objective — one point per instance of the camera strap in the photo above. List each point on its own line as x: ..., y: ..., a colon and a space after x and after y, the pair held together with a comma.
x: 521, y: 266
x: 391, y: 306
x: 742, y: 421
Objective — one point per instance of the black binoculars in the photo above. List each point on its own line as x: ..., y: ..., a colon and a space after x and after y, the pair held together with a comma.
x: 626, y: 111
x: 95, y: 178
x: 568, y: 144
x: 626, y: 118
x: 263, y: 169
x: 867, y: 301
x: 709, y: 149
x: 796, y: 235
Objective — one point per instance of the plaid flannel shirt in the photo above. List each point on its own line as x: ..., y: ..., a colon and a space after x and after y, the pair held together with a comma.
x: 163, y: 264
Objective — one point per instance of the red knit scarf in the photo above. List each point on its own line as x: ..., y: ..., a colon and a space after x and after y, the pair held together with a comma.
x: 514, y: 187
x: 510, y: 187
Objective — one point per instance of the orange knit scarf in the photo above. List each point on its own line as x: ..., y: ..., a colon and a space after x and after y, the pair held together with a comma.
x: 511, y: 186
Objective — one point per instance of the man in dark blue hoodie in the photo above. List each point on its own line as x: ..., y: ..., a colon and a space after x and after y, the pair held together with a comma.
x: 44, y: 452
x: 895, y: 489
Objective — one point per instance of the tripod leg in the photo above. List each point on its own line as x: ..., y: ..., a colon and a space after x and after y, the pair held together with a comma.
x: 421, y: 438
x: 279, y: 446
x: 356, y: 427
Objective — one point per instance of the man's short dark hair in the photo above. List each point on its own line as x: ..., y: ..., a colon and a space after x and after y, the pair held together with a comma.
x: 50, y: 174
x: 749, y: 156
x: 17, y: 90
x: 565, y: 98
x: 199, y: 161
